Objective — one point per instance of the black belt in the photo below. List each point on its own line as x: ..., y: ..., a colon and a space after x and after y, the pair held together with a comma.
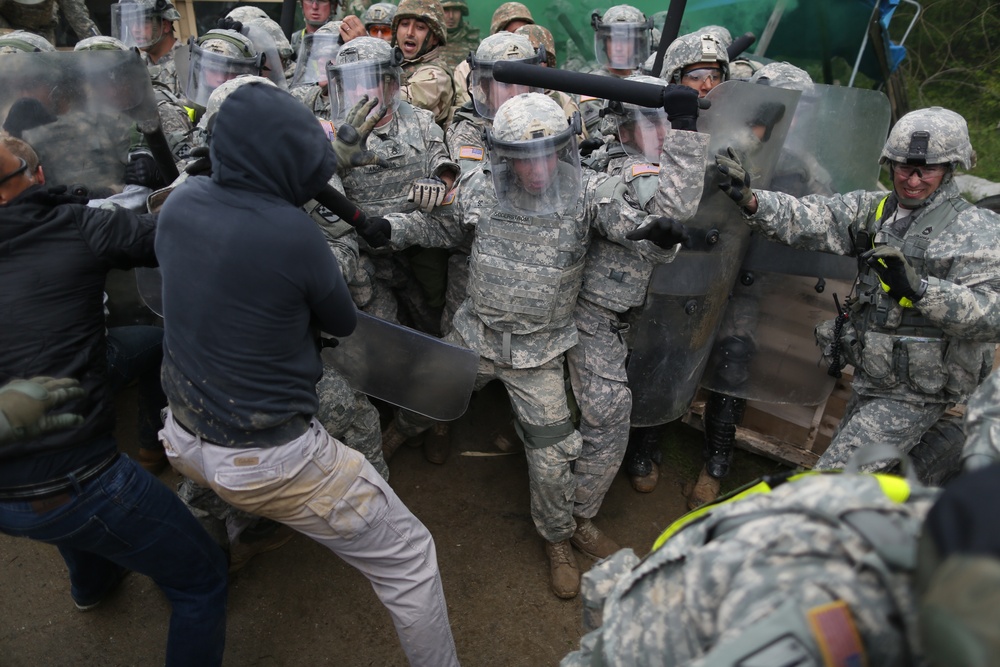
x: 58, y: 486
x: 269, y: 437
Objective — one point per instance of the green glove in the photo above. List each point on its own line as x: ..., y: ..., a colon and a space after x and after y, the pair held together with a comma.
x: 25, y: 402
x: 352, y: 136
x: 733, y: 178
x: 898, y: 277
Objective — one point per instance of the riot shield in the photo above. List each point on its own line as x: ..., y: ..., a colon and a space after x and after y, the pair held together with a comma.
x: 80, y: 111
x: 388, y: 361
x: 686, y: 299
x: 765, y: 349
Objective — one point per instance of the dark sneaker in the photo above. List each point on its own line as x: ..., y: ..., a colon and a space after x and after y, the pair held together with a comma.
x: 87, y: 605
x: 264, y: 536
x: 437, y: 444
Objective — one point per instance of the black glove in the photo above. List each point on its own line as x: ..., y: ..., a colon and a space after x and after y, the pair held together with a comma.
x: 588, y: 146
x: 142, y: 170
x: 899, y: 278
x: 767, y: 115
x: 733, y: 178
x: 376, y: 232
x: 26, y: 114
x: 226, y: 23
x: 664, y: 232
x: 202, y: 163
x: 681, y: 105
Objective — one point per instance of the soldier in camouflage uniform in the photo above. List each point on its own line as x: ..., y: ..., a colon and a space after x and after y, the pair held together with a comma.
x: 251, y: 18
x: 418, y: 30
x: 22, y: 41
x: 815, y: 570
x: 510, y: 16
x: 463, y: 37
x: 982, y: 426
x: 378, y: 20
x: 149, y: 25
x: 213, y: 58
x: 315, y: 13
x: 42, y: 17
x: 697, y: 60
x: 533, y: 215
x: 925, y: 311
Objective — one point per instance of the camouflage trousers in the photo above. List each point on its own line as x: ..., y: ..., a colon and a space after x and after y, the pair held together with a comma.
x: 346, y: 414
x: 392, y: 293
x: 876, y: 419
x: 538, y: 397
x: 456, y: 290
x: 600, y: 386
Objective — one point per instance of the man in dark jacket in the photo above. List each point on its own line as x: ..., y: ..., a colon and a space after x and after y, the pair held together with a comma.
x: 248, y: 282
x: 71, y: 488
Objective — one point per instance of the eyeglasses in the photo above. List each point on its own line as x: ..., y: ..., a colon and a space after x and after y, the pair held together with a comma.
x: 20, y: 170
x: 315, y: 2
x: 380, y: 31
x: 924, y: 172
x: 711, y: 74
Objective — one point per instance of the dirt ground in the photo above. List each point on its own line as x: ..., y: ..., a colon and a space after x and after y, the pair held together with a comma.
x: 300, y: 605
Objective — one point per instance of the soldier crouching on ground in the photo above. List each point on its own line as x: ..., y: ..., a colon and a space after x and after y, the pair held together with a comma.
x: 248, y: 283
x: 534, y: 214
x: 925, y: 312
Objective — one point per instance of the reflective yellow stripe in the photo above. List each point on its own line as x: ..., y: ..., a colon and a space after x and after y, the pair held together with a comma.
x: 191, y: 113
x: 904, y: 302
x: 896, y: 489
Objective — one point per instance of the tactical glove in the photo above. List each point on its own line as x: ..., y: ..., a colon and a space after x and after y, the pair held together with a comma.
x: 25, y: 402
x: 376, y: 232
x: 664, y: 232
x: 898, y: 277
x: 681, y: 105
x: 202, y: 163
x: 588, y: 146
x: 733, y: 178
x: 26, y: 114
x: 352, y: 136
x: 427, y: 193
x: 142, y: 170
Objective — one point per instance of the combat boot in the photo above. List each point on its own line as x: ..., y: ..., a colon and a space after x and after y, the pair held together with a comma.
x: 564, y: 573
x: 705, y: 490
x: 437, y: 444
x: 392, y: 438
x: 592, y: 541
x: 722, y: 415
x: 642, y: 459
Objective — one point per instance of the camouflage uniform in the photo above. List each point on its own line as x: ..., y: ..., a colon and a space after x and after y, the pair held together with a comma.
x: 43, y: 17
x: 982, y: 425
x: 767, y: 577
x: 427, y: 80
x: 525, y: 352
x: 911, y: 362
x: 461, y: 40
x: 507, y: 12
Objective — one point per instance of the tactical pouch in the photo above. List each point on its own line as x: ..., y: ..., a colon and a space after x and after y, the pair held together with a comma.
x: 877, y: 359
x: 966, y: 364
x: 925, y: 368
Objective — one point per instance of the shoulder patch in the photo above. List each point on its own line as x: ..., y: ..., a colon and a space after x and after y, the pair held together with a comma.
x: 645, y: 168
x: 588, y: 98
x: 470, y: 153
x: 327, y: 126
x: 837, y: 636
x: 449, y: 197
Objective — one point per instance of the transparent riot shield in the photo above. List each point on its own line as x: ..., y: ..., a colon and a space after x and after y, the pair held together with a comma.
x: 81, y: 111
x: 688, y: 297
x: 315, y: 51
x: 388, y: 361
x: 765, y: 349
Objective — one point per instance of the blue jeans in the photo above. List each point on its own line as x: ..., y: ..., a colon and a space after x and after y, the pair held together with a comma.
x: 127, y: 518
x: 134, y: 355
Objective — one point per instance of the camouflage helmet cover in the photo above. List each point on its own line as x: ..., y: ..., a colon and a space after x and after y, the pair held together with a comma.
x: 540, y: 36
x: 507, y: 12
x: 329, y: 28
x: 505, y: 46
x: 783, y: 75
x: 621, y: 37
x: 22, y: 41
x: 366, y: 48
x: 429, y: 11
x: 930, y: 136
x: 488, y: 94
x: 720, y: 33
x: 268, y: 25
x: 622, y: 14
x: 380, y: 13
x: 456, y: 4
x: 227, y: 43
x: 363, y: 66
x: 528, y: 117
x: 224, y: 90
x: 245, y: 13
x: 100, y: 43
x: 692, y: 49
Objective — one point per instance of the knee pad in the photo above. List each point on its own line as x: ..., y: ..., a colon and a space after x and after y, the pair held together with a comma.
x: 539, y: 437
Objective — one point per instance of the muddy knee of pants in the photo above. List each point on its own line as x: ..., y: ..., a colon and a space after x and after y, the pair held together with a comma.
x: 551, y: 450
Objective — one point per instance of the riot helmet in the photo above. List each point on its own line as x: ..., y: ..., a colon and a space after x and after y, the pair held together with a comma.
x: 540, y: 37
x: 100, y: 43
x: 245, y: 13
x: 696, y: 60
x: 315, y: 51
x: 261, y: 35
x: 268, y: 25
x: 140, y: 22
x: 784, y: 75
x: 534, y: 159
x: 378, y: 20
x: 427, y: 11
x: 112, y: 77
x: 507, y: 13
x: 621, y: 37
x: 216, y: 57
x: 487, y: 93
x: 224, y: 90
x: 22, y: 41
x: 640, y: 130
x: 720, y: 33
x: 365, y: 66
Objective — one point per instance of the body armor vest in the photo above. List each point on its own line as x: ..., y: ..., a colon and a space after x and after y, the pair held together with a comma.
x: 526, y: 272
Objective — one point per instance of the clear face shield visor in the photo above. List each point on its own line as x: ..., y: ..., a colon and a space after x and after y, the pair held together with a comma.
x: 315, y: 52
x: 271, y: 67
x: 350, y: 82
x: 136, y: 24
x: 537, y: 176
x: 641, y: 131
x: 622, y: 45
x: 208, y: 70
x: 488, y: 93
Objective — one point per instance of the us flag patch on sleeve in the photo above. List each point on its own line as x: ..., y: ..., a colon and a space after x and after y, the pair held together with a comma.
x: 470, y: 153
x: 837, y: 636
